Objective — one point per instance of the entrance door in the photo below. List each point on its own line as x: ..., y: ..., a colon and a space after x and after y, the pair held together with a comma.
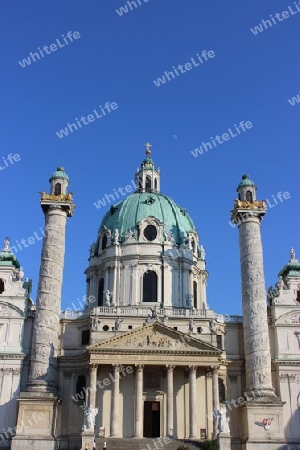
x: 151, y: 419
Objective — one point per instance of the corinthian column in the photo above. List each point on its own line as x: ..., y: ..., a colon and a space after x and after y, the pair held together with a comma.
x: 170, y: 401
x: 139, y: 401
x: 193, y: 402
x: 45, y: 341
x: 114, y: 421
x: 216, y: 401
x: 248, y: 213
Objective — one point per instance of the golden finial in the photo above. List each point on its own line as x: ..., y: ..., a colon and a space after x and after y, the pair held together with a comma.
x: 148, y: 148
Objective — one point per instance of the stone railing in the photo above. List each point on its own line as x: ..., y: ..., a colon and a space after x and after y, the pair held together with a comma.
x: 134, y: 311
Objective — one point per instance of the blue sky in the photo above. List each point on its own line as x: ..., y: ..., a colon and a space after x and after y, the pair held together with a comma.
x: 116, y: 59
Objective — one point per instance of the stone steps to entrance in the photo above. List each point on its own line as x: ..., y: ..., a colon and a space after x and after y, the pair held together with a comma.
x: 145, y: 444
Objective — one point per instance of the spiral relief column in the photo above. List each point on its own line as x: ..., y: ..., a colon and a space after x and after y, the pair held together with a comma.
x: 57, y: 206
x: 260, y: 394
x: 40, y: 396
x: 248, y: 213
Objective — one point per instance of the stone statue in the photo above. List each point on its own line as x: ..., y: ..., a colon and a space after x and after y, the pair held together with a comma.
x: 164, y: 319
x: 89, y: 416
x: 95, y: 323
x: 108, y: 296
x: 223, y: 425
x: 202, y: 253
x: 292, y: 253
x: 118, y: 322
x: 212, y: 327
x: 153, y: 316
x: 6, y: 244
x: 116, y: 236
x: 191, y: 326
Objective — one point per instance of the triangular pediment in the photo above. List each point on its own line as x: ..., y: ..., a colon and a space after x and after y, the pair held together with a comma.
x: 155, y: 338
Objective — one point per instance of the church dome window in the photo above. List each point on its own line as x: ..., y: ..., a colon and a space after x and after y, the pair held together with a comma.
x: 150, y: 232
x: 2, y: 289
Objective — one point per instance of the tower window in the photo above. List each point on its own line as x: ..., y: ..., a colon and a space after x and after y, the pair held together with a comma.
x: 140, y: 183
x: 150, y: 286
x: 2, y: 289
x: 249, y: 197
x: 150, y: 232
x: 101, y: 292
x: 80, y: 388
x: 155, y: 184
x: 57, y: 189
x: 195, y: 289
x: 148, y: 183
x: 85, y: 337
x: 104, y: 242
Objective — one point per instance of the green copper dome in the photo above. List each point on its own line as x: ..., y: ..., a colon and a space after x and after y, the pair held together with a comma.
x: 246, y: 182
x: 59, y: 173
x: 126, y: 214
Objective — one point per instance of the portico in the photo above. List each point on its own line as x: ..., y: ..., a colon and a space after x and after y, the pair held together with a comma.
x: 153, y: 382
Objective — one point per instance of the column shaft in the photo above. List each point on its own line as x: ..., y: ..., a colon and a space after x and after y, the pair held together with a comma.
x: 170, y: 401
x: 216, y: 405
x: 193, y: 402
x: 114, y: 421
x: 93, y: 385
x: 139, y: 402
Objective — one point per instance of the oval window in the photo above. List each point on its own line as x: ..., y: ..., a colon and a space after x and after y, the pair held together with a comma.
x: 150, y: 232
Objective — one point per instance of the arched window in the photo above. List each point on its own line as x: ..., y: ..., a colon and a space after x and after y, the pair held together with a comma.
x: 155, y: 184
x: 104, y: 242
x: 1, y: 286
x: 148, y: 183
x: 150, y: 286
x: 249, y: 197
x: 101, y: 292
x: 195, y: 288
x: 140, y: 182
x: 298, y: 296
x: 57, y: 189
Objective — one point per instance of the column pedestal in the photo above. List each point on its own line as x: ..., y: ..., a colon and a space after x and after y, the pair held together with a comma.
x: 255, y: 434
x: 224, y: 442
x: 36, y: 418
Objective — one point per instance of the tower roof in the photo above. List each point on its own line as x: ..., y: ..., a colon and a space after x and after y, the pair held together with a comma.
x: 7, y: 257
x: 59, y: 173
x: 292, y: 268
x: 246, y: 181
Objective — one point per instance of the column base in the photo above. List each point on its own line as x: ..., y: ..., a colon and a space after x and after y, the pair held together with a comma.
x: 36, y: 422
x: 87, y: 440
x: 262, y: 424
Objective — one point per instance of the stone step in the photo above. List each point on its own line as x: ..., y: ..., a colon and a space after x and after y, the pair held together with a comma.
x: 145, y: 444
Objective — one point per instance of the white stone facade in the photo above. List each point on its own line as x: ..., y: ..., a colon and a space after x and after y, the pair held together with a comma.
x: 132, y: 366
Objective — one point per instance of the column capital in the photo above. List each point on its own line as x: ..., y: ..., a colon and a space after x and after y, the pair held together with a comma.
x: 170, y: 368
x: 93, y: 366
x: 139, y: 367
x: 215, y: 368
x: 116, y: 367
x: 193, y: 368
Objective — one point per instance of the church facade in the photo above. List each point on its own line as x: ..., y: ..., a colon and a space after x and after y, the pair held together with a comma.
x: 146, y: 357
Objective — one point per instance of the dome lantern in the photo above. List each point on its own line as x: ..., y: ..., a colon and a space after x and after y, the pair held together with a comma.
x: 147, y: 178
